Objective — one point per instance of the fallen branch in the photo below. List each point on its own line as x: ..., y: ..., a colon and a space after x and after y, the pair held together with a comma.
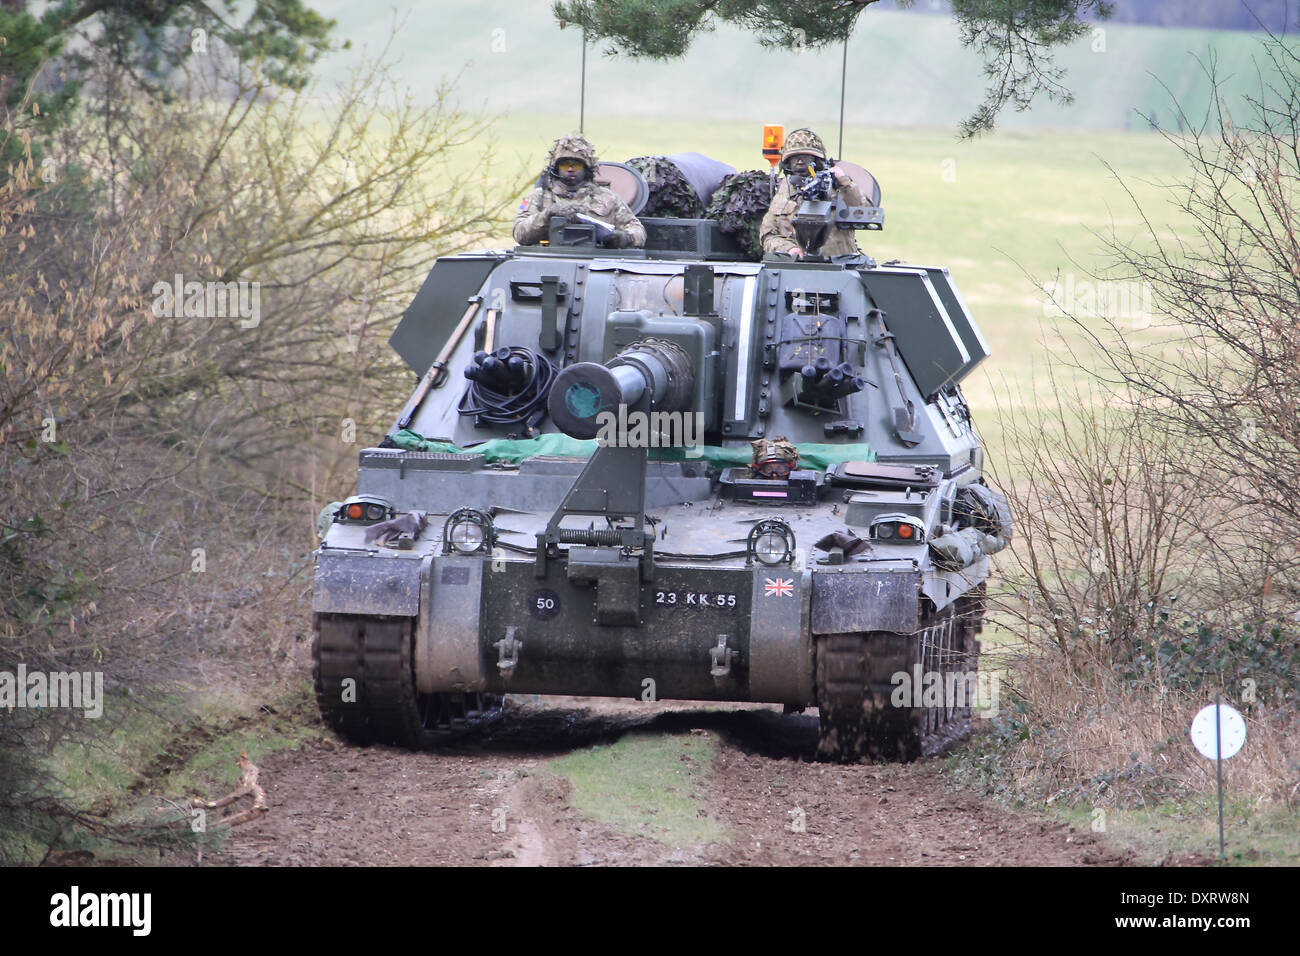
x: 248, y: 784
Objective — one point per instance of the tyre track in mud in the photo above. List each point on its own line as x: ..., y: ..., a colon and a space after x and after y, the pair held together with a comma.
x: 488, y: 801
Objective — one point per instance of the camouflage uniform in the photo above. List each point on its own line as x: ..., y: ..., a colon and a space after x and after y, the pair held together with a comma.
x: 777, y: 231
x: 532, y: 224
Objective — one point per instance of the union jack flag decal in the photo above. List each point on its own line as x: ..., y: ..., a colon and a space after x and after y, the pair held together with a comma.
x: 781, y: 587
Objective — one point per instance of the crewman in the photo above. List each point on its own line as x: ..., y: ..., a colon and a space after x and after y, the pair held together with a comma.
x: 803, y: 155
x: 568, y: 188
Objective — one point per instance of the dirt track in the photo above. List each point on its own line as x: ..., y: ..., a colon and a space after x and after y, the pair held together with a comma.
x: 489, y: 801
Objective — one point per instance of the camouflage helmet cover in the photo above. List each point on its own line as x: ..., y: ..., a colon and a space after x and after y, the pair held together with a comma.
x: 574, y: 146
x: 803, y: 141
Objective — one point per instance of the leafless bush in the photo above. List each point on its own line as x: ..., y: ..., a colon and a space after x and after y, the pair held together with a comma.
x: 1222, y: 375
x: 330, y: 214
x: 324, y: 216
x: 159, y: 463
x: 1112, y: 515
x: 1132, y: 593
x: 1159, y: 521
x: 1110, y: 743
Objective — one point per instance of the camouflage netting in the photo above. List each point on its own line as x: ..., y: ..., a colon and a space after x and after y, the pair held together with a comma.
x: 739, y: 205
x: 671, y: 194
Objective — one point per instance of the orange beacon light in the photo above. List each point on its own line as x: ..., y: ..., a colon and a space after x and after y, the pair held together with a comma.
x: 773, y: 139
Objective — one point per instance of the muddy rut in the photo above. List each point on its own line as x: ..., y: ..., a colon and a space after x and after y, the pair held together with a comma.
x: 489, y: 800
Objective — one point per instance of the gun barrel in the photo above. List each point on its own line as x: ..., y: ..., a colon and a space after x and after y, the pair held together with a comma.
x: 653, y: 372
x: 821, y: 186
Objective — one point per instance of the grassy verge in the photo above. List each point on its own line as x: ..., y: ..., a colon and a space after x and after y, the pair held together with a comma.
x: 1188, y: 832
x: 1125, y: 806
x: 132, y: 771
x: 646, y: 785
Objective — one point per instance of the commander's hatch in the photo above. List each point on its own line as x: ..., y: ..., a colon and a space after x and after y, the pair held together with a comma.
x: 936, y: 335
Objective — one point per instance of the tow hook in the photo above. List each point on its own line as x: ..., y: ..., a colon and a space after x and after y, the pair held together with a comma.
x: 721, y: 657
x: 508, y: 650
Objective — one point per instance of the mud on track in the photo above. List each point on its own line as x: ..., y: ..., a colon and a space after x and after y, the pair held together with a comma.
x: 335, y: 804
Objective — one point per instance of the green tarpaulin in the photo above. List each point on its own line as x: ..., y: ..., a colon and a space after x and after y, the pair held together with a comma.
x: 817, y: 455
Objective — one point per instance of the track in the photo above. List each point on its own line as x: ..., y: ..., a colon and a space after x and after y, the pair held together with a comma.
x: 856, y: 686
x: 338, y: 805
x: 365, y: 685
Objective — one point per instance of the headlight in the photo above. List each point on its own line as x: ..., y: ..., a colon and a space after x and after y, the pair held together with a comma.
x: 468, y: 531
x: 898, y: 529
x: 771, y: 542
x: 364, y: 509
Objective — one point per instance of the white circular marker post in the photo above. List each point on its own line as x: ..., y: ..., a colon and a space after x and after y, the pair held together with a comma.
x: 1231, y: 728
x: 1218, y: 732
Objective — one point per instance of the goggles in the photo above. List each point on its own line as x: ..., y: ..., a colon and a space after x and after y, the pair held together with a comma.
x: 569, y: 165
x: 798, y: 165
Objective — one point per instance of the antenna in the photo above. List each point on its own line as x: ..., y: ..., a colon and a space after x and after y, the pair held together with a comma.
x: 582, y: 96
x: 844, y: 72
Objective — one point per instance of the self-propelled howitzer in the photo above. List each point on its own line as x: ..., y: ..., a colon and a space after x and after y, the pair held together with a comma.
x: 669, y: 473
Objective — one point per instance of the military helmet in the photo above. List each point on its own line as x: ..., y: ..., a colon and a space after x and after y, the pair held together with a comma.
x: 803, y: 141
x: 574, y: 146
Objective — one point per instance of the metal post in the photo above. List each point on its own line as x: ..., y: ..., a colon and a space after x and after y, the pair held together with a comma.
x: 844, y: 72
x: 1218, y: 766
x: 582, y: 96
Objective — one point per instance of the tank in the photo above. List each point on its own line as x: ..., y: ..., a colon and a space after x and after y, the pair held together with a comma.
x: 670, y: 473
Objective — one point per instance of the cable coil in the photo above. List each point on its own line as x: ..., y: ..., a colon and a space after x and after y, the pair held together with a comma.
x: 508, y: 387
